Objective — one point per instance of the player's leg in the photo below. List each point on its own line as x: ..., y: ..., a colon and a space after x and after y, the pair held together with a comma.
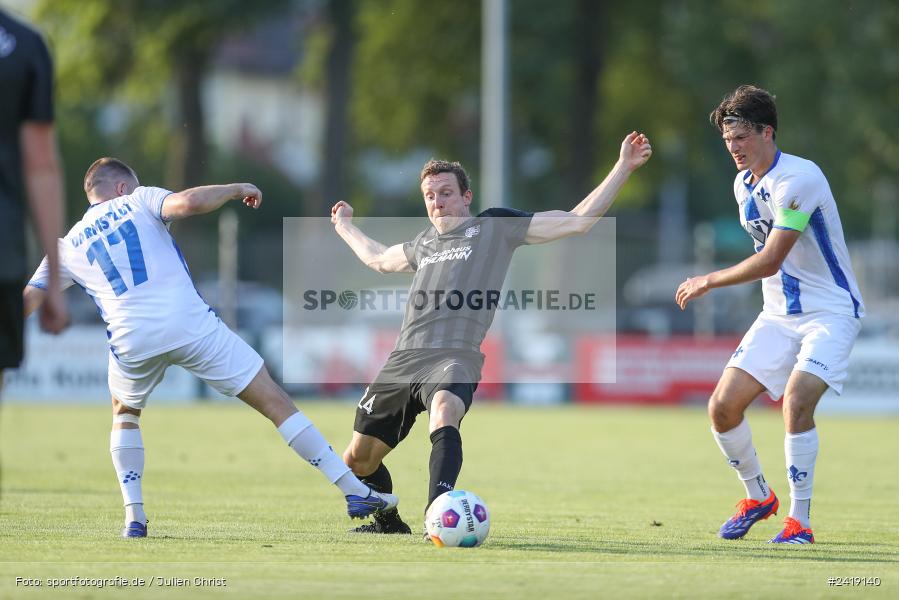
x: 762, y: 362
x: 448, y: 390
x: 804, y: 390
x: 727, y: 406
x: 822, y: 362
x: 268, y: 398
x: 126, y: 446
x: 228, y: 364
x: 384, y: 417
x: 734, y: 393
x: 444, y: 417
x: 447, y: 406
x: 364, y: 456
x: 130, y: 385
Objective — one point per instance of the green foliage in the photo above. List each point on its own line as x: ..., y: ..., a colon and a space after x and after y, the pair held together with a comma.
x: 416, y: 76
x: 280, y: 196
x: 121, y: 55
x: 834, y: 66
x: 311, y: 73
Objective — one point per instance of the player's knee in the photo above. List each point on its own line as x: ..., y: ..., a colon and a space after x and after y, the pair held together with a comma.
x: 361, y: 463
x: 123, y: 416
x: 120, y: 408
x: 723, y: 417
x: 446, y: 409
x: 797, y: 412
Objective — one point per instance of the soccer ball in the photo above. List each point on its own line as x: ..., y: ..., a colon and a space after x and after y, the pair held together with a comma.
x: 458, y: 519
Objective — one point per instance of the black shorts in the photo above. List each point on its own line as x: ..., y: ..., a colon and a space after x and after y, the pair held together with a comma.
x: 12, y: 320
x: 407, y: 383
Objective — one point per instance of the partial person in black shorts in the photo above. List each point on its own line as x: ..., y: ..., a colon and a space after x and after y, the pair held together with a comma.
x: 436, y: 364
x: 11, y: 339
x: 27, y: 143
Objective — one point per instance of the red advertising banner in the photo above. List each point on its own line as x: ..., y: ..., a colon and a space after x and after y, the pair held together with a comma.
x: 649, y: 371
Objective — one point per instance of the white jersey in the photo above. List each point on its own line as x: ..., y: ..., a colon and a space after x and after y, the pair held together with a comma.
x: 816, y: 274
x: 122, y: 254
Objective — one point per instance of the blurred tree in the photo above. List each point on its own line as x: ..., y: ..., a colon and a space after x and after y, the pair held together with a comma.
x: 135, y: 50
x: 338, y: 125
x: 583, y: 73
x: 329, y: 52
x: 834, y: 69
x: 589, y: 33
x: 416, y: 80
x: 417, y: 75
x: 417, y: 85
x: 558, y: 52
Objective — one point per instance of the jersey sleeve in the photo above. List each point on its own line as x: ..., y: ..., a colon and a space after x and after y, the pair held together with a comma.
x: 411, y: 248
x: 795, y: 198
x: 738, y: 186
x: 511, y: 223
x: 39, y: 98
x: 41, y: 277
x: 152, y: 198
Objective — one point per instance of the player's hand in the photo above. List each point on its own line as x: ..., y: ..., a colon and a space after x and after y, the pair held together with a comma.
x: 54, y: 316
x: 691, y: 289
x: 635, y: 151
x: 341, y: 212
x: 251, y: 196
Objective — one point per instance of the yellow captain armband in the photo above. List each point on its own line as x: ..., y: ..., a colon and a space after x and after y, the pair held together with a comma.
x: 791, y: 219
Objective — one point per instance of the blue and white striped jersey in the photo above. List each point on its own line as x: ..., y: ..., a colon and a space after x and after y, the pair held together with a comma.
x: 816, y: 274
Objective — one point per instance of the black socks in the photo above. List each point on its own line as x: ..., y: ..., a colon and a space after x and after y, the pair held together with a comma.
x: 380, y: 480
x: 446, y: 461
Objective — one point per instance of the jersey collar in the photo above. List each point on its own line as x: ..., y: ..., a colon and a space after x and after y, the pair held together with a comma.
x: 464, y: 224
x: 748, y: 175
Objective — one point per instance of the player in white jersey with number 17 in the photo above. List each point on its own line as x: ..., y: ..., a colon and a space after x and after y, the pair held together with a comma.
x: 800, y: 343
x: 122, y: 254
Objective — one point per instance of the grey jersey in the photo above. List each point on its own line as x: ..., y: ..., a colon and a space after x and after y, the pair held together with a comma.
x: 458, y: 278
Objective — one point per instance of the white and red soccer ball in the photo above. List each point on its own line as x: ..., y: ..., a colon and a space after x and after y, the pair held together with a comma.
x: 458, y: 519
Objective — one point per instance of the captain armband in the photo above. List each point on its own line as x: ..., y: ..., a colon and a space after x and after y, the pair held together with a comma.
x: 786, y: 218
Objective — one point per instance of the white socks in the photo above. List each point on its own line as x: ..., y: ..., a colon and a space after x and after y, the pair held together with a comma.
x: 737, y: 447
x: 301, y: 435
x: 127, y: 450
x: 801, y: 450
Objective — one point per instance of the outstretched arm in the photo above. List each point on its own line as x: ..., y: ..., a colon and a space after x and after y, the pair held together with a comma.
x: 208, y: 198
x: 374, y: 254
x: 555, y: 224
x: 764, y: 264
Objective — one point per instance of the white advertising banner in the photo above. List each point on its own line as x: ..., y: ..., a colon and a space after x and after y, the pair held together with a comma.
x: 872, y: 386
x: 71, y: 367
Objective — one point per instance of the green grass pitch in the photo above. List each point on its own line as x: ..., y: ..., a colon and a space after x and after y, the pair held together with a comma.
x: 585, y: 503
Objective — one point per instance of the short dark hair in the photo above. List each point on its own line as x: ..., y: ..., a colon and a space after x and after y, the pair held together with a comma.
x: 750, y: 105
x: 434, y: 167
x: 104, y: 169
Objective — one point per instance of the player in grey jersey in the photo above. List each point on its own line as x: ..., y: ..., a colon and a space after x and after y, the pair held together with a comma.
x: 436, y: 364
